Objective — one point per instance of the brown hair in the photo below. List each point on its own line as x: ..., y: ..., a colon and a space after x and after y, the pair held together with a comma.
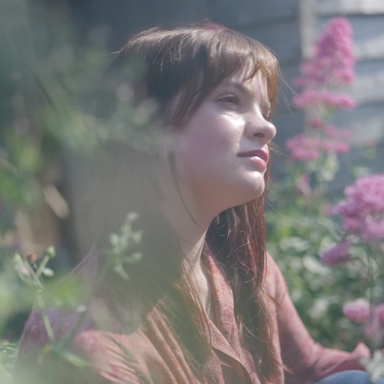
x: 190, y: 62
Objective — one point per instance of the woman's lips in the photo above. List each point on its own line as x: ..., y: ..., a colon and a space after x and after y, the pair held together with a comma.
x: 258, y: 155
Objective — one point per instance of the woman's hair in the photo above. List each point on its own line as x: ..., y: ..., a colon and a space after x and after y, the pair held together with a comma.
x: 185, y: 64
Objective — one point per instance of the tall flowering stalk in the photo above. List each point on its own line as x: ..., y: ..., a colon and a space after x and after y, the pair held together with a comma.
x: 321, y: 77
x: 339, y: 295
x: 296, y: 225
x: 360, y: 240
x: 362, y: 244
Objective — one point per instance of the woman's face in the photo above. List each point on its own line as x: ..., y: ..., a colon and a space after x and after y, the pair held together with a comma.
x: 222, y: 152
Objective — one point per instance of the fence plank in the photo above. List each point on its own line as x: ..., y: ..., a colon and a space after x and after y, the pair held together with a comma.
x: 348, y: 7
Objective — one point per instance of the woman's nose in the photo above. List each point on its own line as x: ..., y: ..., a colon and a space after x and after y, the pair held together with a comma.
x: 259, y: 127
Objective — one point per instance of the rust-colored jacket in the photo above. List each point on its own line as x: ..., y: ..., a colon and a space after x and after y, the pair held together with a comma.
x: 153, y: 356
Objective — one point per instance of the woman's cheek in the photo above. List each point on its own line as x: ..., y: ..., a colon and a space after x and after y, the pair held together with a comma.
x: 209, y: 142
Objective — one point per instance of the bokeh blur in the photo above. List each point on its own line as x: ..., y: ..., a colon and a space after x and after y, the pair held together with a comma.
x: 54, y: 152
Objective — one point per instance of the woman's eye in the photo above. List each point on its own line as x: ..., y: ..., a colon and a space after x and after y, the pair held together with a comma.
x: 230, y: 99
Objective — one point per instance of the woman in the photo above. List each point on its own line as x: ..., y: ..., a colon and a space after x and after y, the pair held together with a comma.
x: 206, y: 304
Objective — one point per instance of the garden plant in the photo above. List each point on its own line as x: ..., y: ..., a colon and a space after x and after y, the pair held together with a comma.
x: 331, y: 254
x: 46, y: 82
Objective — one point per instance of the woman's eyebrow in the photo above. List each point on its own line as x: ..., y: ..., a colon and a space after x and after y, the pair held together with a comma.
x: 240, y: 86
x: 264, y: 104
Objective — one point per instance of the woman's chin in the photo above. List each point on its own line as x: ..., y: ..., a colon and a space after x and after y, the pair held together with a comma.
x: 248, y: 192
x: 257, y: 192
x: 254, y: 187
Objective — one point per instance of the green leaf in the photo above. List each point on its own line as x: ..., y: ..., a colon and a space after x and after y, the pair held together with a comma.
x: 74, y: 359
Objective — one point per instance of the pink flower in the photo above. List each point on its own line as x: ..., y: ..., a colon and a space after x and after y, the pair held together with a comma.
x: 305, y: 154
x: 337, y: 100
x: 373, y: 230
x: 313, y: 98
x: 363, y: 211
x: 329, y: 139
x: 337, y: 133
x: 333, y: 59
x: 335, y: 146
x: 331, y: 131
x: 332, y: 65
x: 308, y: 98
x: 379, y: 312
x: 315, y: 122
x: 304, y: 147
x: 374, y: 330
x: 351, y: 225
x: 336, y: 255
x: 358, y: 311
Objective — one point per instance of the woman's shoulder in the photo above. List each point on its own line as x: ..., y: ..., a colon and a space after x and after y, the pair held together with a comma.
x: 102, y: 336
x: 115, y: 354
x: 112, y: 356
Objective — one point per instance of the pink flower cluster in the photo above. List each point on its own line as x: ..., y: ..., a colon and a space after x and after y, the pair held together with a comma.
x: 337, y: 133
x: 336, y: 255
x: 329, y: 139
x: 333, y: 59
x: 363, y: 211
x: 379, y: 312
x: 304, y: 147
x: 358, y: 312
x: 332, y: 65
x: 313, y: 98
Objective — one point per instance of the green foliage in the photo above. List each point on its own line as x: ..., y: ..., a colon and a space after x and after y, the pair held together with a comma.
x: 8, y: 353
x: 47, y: 79
x: 374, y: 366
x: 297, y: 232
x: 121, y: 245
x: 21, y: 284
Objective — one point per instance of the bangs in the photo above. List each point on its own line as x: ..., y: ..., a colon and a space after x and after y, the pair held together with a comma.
x: 216, y: 56
x: 187, y: 63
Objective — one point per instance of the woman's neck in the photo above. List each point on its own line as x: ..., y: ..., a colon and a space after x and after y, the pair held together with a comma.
x: 190, y: 234
x: 188, y: 223
x: 189, y: 217
x: 191, y: 237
